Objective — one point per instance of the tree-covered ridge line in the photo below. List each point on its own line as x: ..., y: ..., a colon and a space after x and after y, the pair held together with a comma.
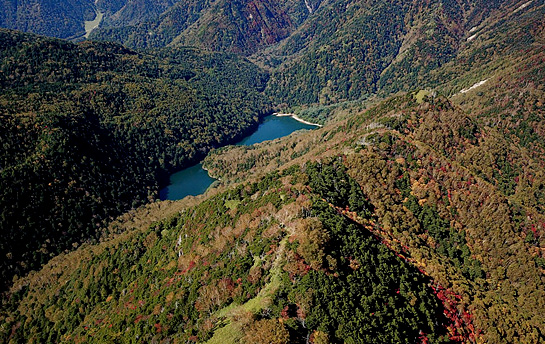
x: 91, y: 130
x: 62, y: 19
x: 445, y: 192
x: 240, y: 26
x: 340, y: 51
x: 259, y: 259
x: 401, y: 176
x: 66, y: 18
x: 349, y: 50
x: 457, y: 220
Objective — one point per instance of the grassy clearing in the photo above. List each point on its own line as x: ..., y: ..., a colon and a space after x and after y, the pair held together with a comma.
x: 232, y: 204
x: 420, y: 96
x: 232, y: 332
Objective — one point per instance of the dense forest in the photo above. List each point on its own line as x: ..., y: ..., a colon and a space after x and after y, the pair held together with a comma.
x: 240, y: 26
x: 414, y: 215
x: 353, y: 49
x: 62, y: 19
x: 66, y: 18
x: 91, y: 130
x: 459, y: 201
x: 264, y: 260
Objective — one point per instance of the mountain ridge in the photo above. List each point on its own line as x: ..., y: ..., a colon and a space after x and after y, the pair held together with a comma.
x: 417, y: 209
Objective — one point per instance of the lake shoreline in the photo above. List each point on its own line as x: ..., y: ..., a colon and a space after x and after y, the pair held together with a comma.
x: 297, y: 118
x: 208, y: 171
x: 271, y: 127
x: 164, y: 178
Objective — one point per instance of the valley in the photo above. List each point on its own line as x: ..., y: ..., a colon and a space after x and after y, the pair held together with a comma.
x: 412, y: 212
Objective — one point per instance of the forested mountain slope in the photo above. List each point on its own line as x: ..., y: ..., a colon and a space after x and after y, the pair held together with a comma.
x: 126, y: 12
x: 240, y: 26
x: 63, y: 19
x: 89, y: 131
x: 325, y: 52
x: 436, y: 179
x: 229, y: 268
x: 155, y: 32
x: 379, y: 226
x: 457, y: 183
x: 416, y: 218
x: 352, y: 49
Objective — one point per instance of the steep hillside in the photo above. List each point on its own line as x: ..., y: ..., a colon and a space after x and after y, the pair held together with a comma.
x: 442, y: 185
x: 457, y: 184
x: 155, y: 32
x: 338, y: 53
x: 63, y: 19
x: 379, y: 226
x: 240, y: 26
x: 123, y: 13
x: 262, y: 261
x: 349, y: 50
x: 90, y: 130
x: 417, y: 217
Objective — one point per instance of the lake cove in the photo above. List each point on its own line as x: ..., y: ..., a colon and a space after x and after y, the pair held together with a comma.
x: 194, y: 180
x: 274, y: 127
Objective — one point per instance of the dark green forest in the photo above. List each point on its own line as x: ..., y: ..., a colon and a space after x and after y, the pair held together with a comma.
x: 62, y: 18
x: 415, y: 214
x: 318, y: 272
x: 91, y: 130
x: 240, y: 26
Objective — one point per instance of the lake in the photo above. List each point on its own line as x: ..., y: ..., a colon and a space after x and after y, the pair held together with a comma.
x: 194, y: 180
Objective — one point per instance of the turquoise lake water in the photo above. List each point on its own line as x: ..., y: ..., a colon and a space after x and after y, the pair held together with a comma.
x: 194, y: 180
